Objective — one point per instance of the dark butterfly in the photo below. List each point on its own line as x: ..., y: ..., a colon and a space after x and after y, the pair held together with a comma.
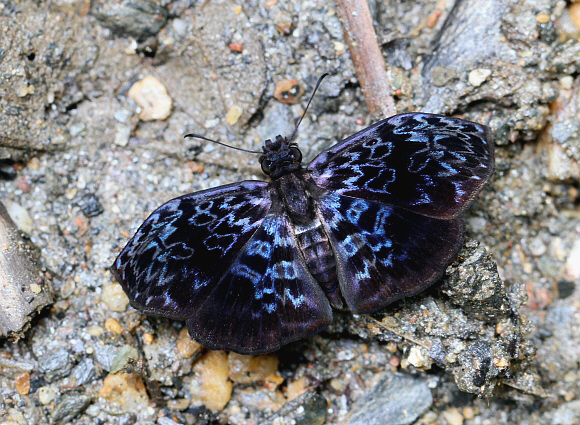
x: 255, y: 265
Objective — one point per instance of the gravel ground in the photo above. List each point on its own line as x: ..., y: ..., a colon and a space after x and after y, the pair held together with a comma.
x: 95, y: 99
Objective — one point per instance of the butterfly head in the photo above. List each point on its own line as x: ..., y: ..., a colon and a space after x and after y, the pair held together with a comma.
x: 280, y: 157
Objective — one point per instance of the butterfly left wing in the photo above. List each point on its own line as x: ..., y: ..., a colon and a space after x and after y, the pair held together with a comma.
x: 428, y: 164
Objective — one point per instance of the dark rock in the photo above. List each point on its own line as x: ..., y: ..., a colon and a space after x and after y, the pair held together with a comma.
x: 90, y: 205
x: 566, y: 288
x: 136, y: 18
x: 397, y: 399
x: 314, y: 411
x: 55, y: 365
x: 84, y: 371
x: 69, y: 406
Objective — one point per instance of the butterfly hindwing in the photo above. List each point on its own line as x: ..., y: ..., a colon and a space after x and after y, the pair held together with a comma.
x: 172, y: 263
x: 266, y: 299
x: 428, y: 164
x: 384, y: 252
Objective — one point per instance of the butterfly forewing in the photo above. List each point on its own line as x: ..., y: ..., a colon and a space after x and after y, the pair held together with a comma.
x: 428, y: 164
x: 266, y: 299
x: 172, y: 263
x: 385, y: 252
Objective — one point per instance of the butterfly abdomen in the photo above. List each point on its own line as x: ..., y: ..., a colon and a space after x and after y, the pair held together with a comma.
x: 313, y: 242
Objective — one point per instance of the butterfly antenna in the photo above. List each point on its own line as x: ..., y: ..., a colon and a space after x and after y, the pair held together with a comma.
x: 197, y: 136
x: 304, y: 113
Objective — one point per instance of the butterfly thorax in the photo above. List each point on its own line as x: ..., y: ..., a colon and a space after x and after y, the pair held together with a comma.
x: 296, y: 194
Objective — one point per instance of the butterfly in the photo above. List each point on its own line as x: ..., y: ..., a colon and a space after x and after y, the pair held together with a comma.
x: 254, y: 265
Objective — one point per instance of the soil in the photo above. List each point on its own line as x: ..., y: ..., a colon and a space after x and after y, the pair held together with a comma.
x: 497, y: 341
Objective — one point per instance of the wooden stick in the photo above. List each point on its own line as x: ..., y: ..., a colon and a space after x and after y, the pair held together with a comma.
x: 366, y: 56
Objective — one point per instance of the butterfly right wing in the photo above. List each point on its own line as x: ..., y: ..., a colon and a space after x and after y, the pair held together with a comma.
x: 384, y: 252
x: 171, y: 264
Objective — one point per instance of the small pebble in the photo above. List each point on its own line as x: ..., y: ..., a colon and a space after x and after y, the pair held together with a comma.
x: 236, y: 47
x: 127, y: 389
x: 22, y: 184
x: 14, y: 417
x: 284, y: 28
x: 567, y: 82
x: 215, y: 388
x: 288, y: 91
x: 19, y: 216
x: 468, y: 413
x: 418, y: 359
x: 122, y: 115
x: 273, y: 381
x: 113, y: 325
x: 433, y: 18
x: 301, y: 385
x: 122, y: 135
x: 283, y: 23
x: 501, y: 362
x: 36, y: 288
x: 573, y: 261
x: 148, y: 338
x: 537, y: 247
x: 151, y: 95
x: 22, y: 383
x: 575, y: 14
x: 211, y: 123
x: 452, y: 416
x: 478, y: 76
x: 250, y: 369
x: 125, y: 354
x: 180, y: 27
x: 34, y: 164
x: 234, y: 114
x: 543, y: 18
x: 339, y: 47
x: 24, y: 91
x: 565, y: 288
x: 76, y: 129
x: 164, y: 420
x: 178, y: 404
x: 90, y: 205
x: 337, y: 384
x: 46, y: 395
x: 95, y: 331
x: 237, y: 9
x: 114, y: 297
x: 187, y: 347
x: 195, y: 167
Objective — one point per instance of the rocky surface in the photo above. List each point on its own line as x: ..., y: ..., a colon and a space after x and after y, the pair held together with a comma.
x: 88, y: 150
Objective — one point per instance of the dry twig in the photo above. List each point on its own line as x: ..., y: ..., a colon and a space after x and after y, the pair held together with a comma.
x: 366, y: 56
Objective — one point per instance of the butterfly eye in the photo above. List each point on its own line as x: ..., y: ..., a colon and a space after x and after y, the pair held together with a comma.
x: 266, y: 166
x: 296, y: 154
